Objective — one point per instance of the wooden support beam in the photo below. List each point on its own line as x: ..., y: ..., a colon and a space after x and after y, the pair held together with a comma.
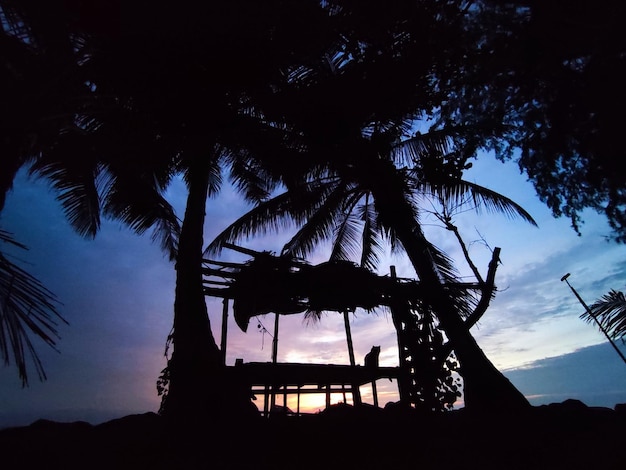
x: 224, y: 264
x: 240, y: 249
x: 219, y: 273
x: 224, y: 330
x: 217, y: 283
x: 217, y: 292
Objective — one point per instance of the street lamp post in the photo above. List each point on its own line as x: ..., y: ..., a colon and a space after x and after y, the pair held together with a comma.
x: 588, y: 310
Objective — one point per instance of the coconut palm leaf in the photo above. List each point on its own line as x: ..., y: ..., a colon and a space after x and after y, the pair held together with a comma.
x: 419, y: 146
x: 346, y: 236
x: 325, y: 223
x: 127, y: 183
x: 250, y: 180
x: 275, y: 214
x: 26, y: 307
x: 371, y: 240
x: 135, y: 202
x: 74, y: 179
x: 610, y: 311
x: 461, y: 192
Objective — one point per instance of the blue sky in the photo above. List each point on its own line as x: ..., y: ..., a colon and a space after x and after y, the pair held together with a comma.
x: 117, y: 295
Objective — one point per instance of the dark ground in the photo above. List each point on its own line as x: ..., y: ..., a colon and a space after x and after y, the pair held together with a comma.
x: 567, y: 435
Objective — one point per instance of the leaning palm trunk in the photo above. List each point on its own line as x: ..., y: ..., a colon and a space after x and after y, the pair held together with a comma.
x: 484, y: 386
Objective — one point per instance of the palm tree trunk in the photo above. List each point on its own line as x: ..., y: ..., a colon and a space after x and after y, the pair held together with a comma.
x: 484, y: 386
x: 195, y: 365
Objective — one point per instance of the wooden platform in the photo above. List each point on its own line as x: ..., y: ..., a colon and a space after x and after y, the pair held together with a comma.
x: 282, y: 379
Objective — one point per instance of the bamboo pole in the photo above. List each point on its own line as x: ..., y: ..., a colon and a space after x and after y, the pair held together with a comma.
x: 274, y: 357
x: 346, y: 322
x: 224, y: 330
x: 356, y: 391
x: 403, y: 372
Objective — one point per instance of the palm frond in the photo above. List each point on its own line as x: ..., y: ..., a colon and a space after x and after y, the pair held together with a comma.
x: 461, y: 192
x: 26, y: 307
x: 462, y: 301
x: 371, y: 243
x: 10, y: 164
x: 321, y: 224
x: 346, y: 240
x: 74, y: 180
x: 250, y: 180
x: 412, y: 150
x: 443, y: 263
x: 166, y: 232
x: 135, y: 200
x: 215, y: 171
x: 271, y: 216
x: 610, y: 311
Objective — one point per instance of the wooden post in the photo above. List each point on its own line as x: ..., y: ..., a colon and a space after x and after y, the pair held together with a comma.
x: 327, y: 396
x: 346, y: 322
x: 266, y: 403
x: 298, y: 409
x: 404, y: 371
x: 275, y: 340
x: 375, y: 393
x: 356, y: 392
x: 274, y: 358
x: 224, y: 329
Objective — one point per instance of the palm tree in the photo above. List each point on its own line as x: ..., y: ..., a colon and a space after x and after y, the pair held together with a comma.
x: 158, y: 97
x: 176, y: 96
x: 369, y: 187
x: 348, y: 114
x: 610, y: 313
x: 38, y: 80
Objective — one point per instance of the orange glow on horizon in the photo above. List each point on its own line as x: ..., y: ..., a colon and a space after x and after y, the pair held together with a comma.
x: 310, y: 402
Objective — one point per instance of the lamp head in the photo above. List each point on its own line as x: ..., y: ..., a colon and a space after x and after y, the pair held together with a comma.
x: 565, y: 277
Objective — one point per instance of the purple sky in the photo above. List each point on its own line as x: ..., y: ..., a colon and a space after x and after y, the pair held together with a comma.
x: 117, y: 294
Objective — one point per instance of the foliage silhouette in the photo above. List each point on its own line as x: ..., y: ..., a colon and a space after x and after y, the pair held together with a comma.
x: 324, y: 209
x: 549, y: 93
x: 25, y: 306
x: 363, y: 149
x: 610, y: 312
x: 128, y: 96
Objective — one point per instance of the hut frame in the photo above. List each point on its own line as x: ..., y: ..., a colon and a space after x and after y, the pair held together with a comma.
x: 288, y: 286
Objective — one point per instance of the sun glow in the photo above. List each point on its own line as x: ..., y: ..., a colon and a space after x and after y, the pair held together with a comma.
x: 312, y: 399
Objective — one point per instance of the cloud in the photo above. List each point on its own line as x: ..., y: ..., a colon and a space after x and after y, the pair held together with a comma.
x: 595, y: 375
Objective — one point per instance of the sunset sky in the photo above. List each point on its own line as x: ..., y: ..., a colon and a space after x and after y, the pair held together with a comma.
x: 116, y: 292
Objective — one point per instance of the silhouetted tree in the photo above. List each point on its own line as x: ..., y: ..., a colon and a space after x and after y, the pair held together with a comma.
x: 193, y: 88
x: 38, y: 81
x: 161, y: 92
x: 348, y: 112
x: 372, y: 196
x: 550, y: 76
